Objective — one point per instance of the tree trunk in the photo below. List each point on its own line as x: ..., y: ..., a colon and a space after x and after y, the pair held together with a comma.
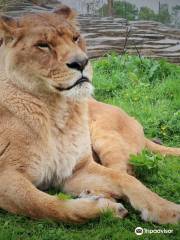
x: 110, y: 7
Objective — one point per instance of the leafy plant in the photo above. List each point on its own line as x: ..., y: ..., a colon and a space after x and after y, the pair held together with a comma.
x: 146, y: 163
x: 122, y: 9
x: 129, y: 11
x: 63, y: 196
x: 146, y: 13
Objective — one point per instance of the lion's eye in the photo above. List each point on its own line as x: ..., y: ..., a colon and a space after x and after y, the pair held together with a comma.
x: 43, y: 46
x: 76, y: 38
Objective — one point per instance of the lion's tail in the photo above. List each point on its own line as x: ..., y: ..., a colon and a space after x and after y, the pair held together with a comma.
x: 154, y: 147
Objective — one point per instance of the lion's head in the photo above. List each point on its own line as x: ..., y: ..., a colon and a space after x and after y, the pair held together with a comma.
x: 45, y: 53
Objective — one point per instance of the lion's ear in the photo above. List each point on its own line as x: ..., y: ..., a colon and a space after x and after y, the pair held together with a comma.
x: 66, y: 12
x: 8, y: 28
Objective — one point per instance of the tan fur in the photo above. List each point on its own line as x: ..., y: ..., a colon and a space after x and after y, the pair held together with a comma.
x: 115, y: 136
x: 47, y: 133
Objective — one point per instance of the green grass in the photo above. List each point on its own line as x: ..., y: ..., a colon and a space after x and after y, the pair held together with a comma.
x: 149, y: 91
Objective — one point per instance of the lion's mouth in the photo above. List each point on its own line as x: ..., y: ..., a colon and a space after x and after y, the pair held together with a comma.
x: 79, y: 81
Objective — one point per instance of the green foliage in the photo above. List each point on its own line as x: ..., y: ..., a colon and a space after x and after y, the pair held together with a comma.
x: 146, y: 13
x: 125, y: 10
x: 147, y: 160
x: 63, y: 196
x: 164, y: 15
x: 122, y: 9
x: 2, y: 2
x: 146, y: 163
x: 176, y: 15
x: 145, y: 88
x: 129, y: 11
x: 148, y: 90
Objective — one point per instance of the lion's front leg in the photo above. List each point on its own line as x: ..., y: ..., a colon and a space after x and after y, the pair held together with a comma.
x: 18, y: 195
x: 110, y: 183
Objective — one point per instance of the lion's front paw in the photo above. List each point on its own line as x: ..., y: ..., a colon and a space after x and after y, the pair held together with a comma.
x: 163, y: 213
x: 104, y: 203
x: 119, y: 210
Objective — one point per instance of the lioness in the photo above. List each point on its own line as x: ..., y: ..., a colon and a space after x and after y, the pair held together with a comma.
x: 48, y: 129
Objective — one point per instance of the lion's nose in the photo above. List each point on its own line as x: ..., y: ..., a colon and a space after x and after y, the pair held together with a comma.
x: 78, y: 64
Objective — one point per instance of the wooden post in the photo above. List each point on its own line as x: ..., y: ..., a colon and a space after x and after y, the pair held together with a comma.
x: 110, y: 7
x: 159, y: 10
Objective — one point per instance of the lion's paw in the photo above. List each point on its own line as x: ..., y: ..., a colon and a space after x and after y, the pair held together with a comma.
x: 105, y: 204
x: 162, y: 214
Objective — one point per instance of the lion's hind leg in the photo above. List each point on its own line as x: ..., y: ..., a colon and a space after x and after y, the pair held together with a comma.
x: 114, y: 135
x: 111, y: 150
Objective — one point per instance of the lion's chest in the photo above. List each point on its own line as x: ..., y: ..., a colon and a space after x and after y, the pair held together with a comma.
x: 65, y: 150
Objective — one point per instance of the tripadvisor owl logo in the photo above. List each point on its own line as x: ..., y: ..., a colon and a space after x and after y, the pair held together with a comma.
x: 139, y: 231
